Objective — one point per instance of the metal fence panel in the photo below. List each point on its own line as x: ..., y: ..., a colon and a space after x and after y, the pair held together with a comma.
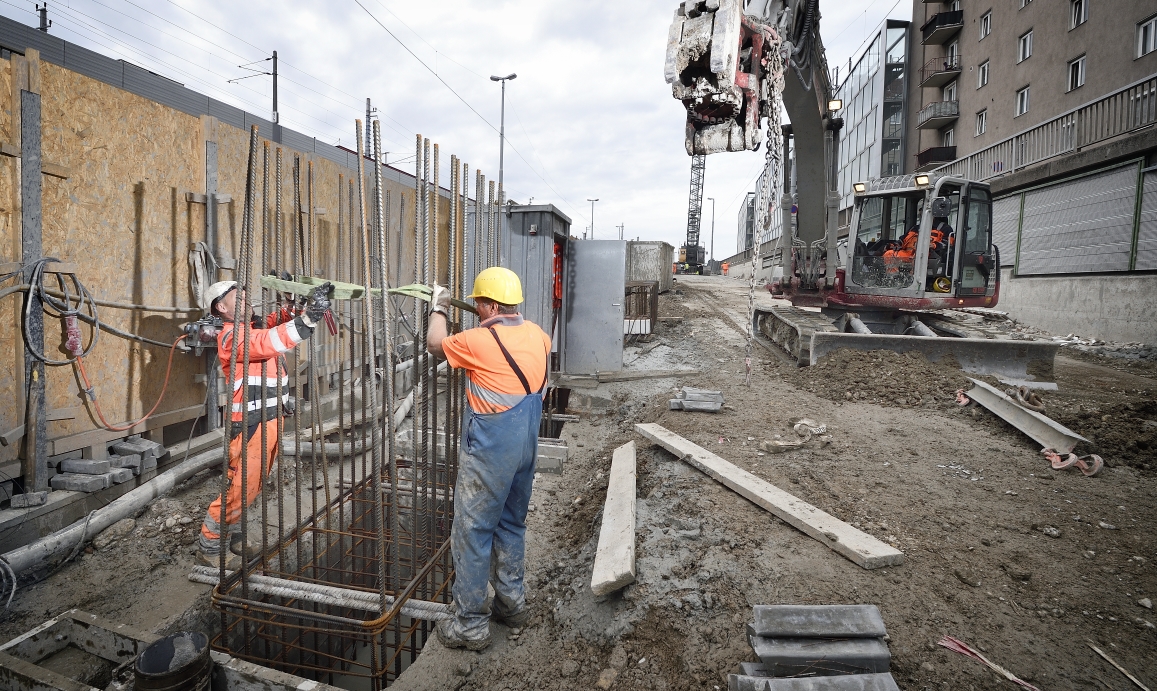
x: 230, y: 115
x: 18, y: 38
x: 296, y: 140
x: 264, y: 127
x: 163, y: 90
x: 1147, y: 236
x: 94, y: 65
x: 1080, y: 226
x: 1005, y: 225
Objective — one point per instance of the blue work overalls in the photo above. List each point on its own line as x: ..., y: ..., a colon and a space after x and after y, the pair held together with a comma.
x: 495, y: 478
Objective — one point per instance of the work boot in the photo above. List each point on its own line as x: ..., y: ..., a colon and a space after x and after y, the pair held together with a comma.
x: 212, y: 559
x: 514, y: 620
x: 450, y: 634
x: 251, y: 551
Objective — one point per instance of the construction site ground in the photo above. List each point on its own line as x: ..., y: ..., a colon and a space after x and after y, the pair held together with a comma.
x: 1024, y: 563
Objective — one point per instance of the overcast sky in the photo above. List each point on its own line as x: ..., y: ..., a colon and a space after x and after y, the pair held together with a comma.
x: 589, y: 115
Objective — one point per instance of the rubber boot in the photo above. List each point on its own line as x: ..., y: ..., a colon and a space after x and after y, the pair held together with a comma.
x: 212, y: 559
x: 251, y: 551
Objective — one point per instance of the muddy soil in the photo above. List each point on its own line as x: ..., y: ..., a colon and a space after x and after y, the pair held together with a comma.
x: 963, y: 495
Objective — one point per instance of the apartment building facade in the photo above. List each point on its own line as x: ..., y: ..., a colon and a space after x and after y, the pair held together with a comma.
x: 991, y: 68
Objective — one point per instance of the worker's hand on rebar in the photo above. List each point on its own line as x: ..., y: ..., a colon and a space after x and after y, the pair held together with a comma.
x: 318, y: 303
x: 440, y: 300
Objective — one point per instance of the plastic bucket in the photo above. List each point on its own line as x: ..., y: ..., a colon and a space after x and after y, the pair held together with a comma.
x: 178, y: 662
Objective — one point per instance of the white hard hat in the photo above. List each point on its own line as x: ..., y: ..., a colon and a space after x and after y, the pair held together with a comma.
x: 218, y: 291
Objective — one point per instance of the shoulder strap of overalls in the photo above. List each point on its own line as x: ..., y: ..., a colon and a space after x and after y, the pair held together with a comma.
x: 510, y: 361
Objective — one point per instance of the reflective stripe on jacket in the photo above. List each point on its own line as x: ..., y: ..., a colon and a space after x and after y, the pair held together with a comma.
x: 266, y: 370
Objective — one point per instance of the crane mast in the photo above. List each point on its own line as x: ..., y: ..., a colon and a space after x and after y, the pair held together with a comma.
x: 692, y: 254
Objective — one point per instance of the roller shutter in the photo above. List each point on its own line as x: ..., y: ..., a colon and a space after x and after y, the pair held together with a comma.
x: 1005, y: 223
x: 1080, y: 226
x: 1147, y: 237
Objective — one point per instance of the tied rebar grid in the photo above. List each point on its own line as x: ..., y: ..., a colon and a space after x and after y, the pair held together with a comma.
x: 347, y: 547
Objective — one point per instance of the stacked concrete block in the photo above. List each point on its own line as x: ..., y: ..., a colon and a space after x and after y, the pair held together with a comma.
x: 701, y: 400
x: 85, y: 467
x: 811, y: 647
x: 131, y: 462
x: 139, y: 447
x: 78, y: 482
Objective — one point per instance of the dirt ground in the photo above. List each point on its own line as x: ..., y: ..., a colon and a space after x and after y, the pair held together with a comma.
x: 966, y: 498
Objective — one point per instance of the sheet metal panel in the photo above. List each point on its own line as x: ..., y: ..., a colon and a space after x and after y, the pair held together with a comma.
x: 1147, y: 235
x: 93, y: 64
x: 18, y: 38
x: 1005, y: 227
x: 163, y: 90
x: 296, y: 140
x: 334, y: 154
x: 230, y: 115
x: 650, y: 261
x: 265, y: 128
x: 531, y: 256
x: 595, y: 276
x: 1083, y: 225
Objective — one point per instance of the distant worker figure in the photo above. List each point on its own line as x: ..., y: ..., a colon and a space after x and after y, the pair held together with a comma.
x: 506, y: 362
x: 268, y: 339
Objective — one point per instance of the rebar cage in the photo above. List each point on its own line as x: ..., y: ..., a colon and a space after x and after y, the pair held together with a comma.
x: 347, y: 562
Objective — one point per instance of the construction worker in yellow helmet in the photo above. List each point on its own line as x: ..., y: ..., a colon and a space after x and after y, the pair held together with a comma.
x: 505, y: 358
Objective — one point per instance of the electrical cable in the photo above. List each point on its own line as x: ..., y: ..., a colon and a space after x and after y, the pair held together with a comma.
x: 63, y: 310
x: 90, y: 392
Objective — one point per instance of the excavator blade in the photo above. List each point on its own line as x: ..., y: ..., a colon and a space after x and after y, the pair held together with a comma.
x: 808, y: 337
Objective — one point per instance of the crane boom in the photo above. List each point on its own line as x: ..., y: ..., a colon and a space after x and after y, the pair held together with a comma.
x: 691, y: 254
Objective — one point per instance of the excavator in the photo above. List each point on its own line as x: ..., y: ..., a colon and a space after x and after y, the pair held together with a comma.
x: 920, y: 259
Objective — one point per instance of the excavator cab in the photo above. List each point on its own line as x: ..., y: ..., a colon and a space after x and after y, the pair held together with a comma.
x: 915, y: 237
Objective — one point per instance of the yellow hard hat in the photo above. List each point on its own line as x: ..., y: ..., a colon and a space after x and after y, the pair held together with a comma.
x: 498, y: 284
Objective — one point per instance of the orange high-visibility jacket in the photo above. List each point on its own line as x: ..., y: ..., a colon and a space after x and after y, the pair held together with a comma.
x: 265, y: 345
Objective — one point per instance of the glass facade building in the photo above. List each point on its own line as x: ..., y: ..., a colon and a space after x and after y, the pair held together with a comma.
x: 874, y: 93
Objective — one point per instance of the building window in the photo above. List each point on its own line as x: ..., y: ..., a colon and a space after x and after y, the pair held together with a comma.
x: 982, y: 122
x: 949, y: 91
x: 1024, y: 3
x: 1147, y: 36
x: 982, y: 74
x: 948, y: 137
x: 1024, y: 46
x: 1078, y: 13
x: 1077, y: 73
x: 985, y: 24
x: 1022, y: 102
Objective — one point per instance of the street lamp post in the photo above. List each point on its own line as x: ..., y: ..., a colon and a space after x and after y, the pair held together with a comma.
x: 712, y: 200
x: 592, y: 201
x: 502, y: 127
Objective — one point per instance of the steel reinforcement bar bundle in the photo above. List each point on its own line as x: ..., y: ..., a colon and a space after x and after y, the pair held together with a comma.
x: 347, y: 562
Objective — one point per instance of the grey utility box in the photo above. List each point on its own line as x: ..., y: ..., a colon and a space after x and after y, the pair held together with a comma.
x: 530, y: 236
x: 650, y: 260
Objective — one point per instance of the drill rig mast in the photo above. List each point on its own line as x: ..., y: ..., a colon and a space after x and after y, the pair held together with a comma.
x: 691, y: 254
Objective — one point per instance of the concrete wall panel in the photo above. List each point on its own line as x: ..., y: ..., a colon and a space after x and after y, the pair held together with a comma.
x: 1108, y: 307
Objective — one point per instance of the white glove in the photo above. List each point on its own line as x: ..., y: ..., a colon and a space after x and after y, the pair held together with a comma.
x: 440, y: 300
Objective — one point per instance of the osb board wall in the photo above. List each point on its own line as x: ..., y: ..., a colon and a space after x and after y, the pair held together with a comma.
x: 123, y: 218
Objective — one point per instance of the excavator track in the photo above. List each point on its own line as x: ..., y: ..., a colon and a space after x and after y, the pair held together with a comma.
x: 972, y: 344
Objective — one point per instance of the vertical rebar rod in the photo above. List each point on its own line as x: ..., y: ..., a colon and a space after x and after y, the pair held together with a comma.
x: 265, y: 233
x: 388, y: 408
x: 278, y: 266
x: 492, y: 231
x: 241, y: 321
x: 367, y: 328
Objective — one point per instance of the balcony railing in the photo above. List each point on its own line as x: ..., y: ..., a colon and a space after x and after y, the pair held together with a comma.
x: 931, y: 157
x: 938, y: 114
x: 941, y: 27
x: 1126, y: 110
x: 939, y: 71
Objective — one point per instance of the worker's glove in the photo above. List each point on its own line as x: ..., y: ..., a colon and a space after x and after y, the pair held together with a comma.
x: 317, y: 304
x: 440, y: 300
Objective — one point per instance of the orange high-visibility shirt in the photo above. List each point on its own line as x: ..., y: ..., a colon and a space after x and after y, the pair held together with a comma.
x: 492, y: 386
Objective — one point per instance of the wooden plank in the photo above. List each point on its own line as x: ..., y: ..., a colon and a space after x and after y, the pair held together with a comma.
x: 64, y: 413
x: 858, y: 546
x: 95, y: 437
x: 60, y: 268
x: 53, y: 169
x: 615, y: 558
x: 18, y: 674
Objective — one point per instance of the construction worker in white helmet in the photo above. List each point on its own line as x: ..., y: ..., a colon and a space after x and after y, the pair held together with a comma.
x: 506, y: 360
x: 269, y: 338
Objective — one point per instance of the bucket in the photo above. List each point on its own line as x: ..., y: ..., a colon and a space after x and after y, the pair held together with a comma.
x: 178, y: 662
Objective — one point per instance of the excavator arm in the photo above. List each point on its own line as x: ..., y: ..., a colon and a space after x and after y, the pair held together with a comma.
x: 717, y: 64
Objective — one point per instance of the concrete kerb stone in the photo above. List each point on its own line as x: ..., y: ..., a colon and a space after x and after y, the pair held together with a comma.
x: 75, y: 482
x: 849, y: 682
x: 85, y: 467
x: 817, y: 621
x: 120, y: 475
x: 822, y: 657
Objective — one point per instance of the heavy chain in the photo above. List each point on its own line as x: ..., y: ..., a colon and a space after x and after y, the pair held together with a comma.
x: 768, y: 179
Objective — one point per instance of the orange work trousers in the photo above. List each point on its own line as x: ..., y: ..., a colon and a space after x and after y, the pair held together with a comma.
x: 255, y: 473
